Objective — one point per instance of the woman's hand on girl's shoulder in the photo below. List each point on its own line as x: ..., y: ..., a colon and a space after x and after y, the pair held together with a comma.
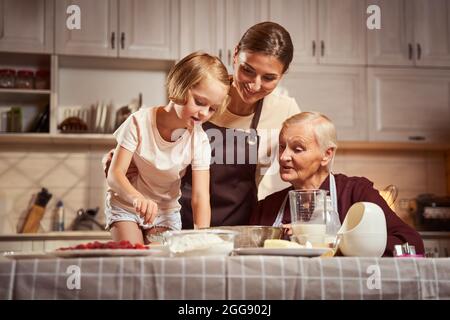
x: 146, y: 208
x: 132, y: 170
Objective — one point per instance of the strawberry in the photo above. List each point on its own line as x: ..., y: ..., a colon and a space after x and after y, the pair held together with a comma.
x: 139, y: 246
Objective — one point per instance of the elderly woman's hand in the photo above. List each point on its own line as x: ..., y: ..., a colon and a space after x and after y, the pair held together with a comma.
x: 106, y: 162
x: 287, y: 229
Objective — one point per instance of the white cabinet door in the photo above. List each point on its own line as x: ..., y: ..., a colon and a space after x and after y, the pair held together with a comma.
x: 200, y: 22
x: 342, y: 32
x: 337, y: 92
x: 409, y: 104
x: 148, y: 29
x: 393, y: 44
x: 26, y: 26
x: 98, y: 33
x: 239, y: 16
x: 432, y: 32
x: 299, y: 17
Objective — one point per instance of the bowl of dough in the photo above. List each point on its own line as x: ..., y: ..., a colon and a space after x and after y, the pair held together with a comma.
x: 203, y: 242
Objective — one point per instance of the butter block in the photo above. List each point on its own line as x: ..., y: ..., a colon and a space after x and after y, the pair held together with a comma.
x: 276, y: 243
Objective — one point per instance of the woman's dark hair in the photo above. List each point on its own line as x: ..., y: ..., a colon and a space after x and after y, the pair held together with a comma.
x: 268, y: 38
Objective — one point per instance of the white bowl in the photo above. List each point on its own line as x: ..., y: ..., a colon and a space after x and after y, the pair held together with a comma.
x: 364, y: 217
x: 363, y: 244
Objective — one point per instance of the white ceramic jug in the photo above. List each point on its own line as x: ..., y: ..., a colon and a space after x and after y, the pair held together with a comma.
x: 363, y: 232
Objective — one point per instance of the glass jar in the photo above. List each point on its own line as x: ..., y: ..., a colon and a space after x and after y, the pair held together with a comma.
x: 42, y: 80
x: 7, y: 78
x: 25, y: 79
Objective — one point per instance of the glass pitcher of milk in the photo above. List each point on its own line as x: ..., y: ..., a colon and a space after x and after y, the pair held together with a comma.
x: 308, y: 216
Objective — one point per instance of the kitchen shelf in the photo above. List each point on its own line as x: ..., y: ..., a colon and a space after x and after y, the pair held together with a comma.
x: 393, y: 146
x: 108, y: 139
x: 60, y: 138
x: 24, y: 91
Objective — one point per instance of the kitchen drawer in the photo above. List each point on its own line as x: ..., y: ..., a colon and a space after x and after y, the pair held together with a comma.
x: 16, y: 246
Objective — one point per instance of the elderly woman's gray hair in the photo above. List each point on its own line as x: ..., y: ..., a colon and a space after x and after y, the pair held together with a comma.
x: 324, y: 129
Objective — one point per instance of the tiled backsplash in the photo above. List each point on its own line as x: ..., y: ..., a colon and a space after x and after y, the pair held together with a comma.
x: 74, y: 175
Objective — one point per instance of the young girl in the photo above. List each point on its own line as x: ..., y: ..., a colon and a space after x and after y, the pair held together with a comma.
x: 162, y: 142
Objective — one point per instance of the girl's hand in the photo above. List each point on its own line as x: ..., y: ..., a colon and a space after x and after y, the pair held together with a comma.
x: 146, y: 208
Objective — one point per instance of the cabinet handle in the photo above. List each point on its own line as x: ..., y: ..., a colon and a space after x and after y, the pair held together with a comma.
x: 220, y: 54
x: 322, y: 48
x: 314, y: 48
x: 410, y: 51
x: 229, y: 56
x: 113, y: 40
x: 419, y: 51
x: 416, y: 138
x: 122, y: 40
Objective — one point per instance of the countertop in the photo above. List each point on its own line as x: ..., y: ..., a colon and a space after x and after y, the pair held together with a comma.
x: 63, y: 235
x: 73, y: 235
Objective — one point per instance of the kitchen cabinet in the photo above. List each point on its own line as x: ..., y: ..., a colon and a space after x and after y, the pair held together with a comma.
x: 437, y: 244
x: 409, y: 104
x: 33, y: 104
x: 26, y: 26
x: 413, y: 33
x: 324, y: 31
x: 98, y: 33
x: 338, y: 92
x: 118, y: 28
x: 216, y: 26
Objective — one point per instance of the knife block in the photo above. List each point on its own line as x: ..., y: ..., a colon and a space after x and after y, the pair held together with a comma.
x: 33, y: 219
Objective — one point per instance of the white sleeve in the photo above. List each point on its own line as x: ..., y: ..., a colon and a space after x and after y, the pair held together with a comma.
x: 127, y: 135
x: 201, y: 150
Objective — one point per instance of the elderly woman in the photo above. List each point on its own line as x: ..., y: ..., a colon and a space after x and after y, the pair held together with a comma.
x: 307, y: 145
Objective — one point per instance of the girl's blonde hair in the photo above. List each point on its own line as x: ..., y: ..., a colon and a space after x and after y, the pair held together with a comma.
x: 190, y: 71
x: 323, y: 128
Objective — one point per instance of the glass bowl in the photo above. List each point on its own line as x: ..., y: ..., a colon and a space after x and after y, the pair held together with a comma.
x: 253, y: 236
x: 204, y: 242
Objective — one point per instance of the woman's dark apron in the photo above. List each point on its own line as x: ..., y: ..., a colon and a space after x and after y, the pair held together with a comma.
x: 233, y: 190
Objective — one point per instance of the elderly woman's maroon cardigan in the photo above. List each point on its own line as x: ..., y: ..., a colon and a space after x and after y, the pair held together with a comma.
x: 349, y: 191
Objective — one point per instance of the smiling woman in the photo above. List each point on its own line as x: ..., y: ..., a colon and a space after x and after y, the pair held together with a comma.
x: 244, y: 137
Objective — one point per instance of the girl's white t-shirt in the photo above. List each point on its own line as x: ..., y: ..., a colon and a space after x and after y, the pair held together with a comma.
x: 161, y: 164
